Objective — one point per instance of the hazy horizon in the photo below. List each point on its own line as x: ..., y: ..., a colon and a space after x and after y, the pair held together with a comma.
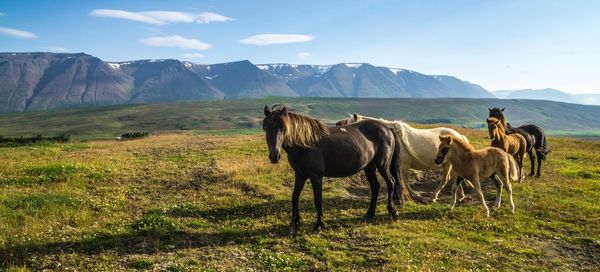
x: 500, y: 45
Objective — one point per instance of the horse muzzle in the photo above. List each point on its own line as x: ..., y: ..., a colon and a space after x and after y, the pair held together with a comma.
x: 274, y: 157
x: 439, y: 160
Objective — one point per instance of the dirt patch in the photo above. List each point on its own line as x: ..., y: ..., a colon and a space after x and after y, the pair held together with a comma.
x: 422, y: 182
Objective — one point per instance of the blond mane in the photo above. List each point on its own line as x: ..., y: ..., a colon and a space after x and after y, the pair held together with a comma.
x: 461, y: 144
x: 301, y: 130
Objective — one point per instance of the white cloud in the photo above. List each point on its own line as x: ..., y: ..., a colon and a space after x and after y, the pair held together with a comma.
x: 160, y: 17
x: 192, y: 56
x: 268, y: 39
x: 209, y: 17
x: 56, y: 49
x: 17, y: 33
x: 176, y: 41
x: 2, y: 13
x: 304, y: 55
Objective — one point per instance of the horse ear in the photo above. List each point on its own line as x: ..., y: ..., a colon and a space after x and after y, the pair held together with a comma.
x: 490, y: 109
x: 283, y: 111
x: 502, y: 109
x: 267, y: 111
x: 355, y: 116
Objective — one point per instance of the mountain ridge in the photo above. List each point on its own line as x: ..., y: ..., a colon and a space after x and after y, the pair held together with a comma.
x: 41, y: 81
x: 549, y: 94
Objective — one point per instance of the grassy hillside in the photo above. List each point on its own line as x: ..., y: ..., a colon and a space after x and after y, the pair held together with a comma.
x: 555, y: 117
x: 183, y: 202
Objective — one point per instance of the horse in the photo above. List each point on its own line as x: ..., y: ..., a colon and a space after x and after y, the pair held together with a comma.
x: 474, y: 165
x: 316, y: 151
x: 534, y: 135
x: 513, y: 144
x: 417, y: 147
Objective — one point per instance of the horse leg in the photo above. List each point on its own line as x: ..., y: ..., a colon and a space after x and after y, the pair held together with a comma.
x: 532, y: 159
x: 461, y: 191
x: 519, y: 160
x: 374, y: 184
x: 498, y: 191
x: 298, y: 185
x: 455, y: 184
x: 405, y: 174
x: 477, y: 185
x: 317, y: 186
x: 539, y: 168
x: 447, y: 167
x: 385, y: 173
x: 504, y: 176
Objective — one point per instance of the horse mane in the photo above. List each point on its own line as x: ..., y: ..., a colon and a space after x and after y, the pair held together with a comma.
x: 461, y: 144
x: 301, y: 130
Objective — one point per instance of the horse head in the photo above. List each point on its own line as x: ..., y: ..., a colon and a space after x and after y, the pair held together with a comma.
x: 354, y: 118
x: 275, y: 130
x: 493, y: 124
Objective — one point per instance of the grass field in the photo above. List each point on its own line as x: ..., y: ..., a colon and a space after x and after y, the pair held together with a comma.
x: 181, y: 202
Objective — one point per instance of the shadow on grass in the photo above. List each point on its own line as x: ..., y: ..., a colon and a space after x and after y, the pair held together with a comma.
x: 139, y: 241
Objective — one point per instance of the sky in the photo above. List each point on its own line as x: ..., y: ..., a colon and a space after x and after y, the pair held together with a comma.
x: 498, y: 44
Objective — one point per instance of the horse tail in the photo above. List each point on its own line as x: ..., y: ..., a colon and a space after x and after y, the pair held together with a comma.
x: 400, y: 191
x: 465, y: 139
x: 513, y: 170
x: 543, y: 150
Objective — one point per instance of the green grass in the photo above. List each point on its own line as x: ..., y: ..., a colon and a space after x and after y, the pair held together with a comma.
x: 212, y: 201
x: 246, y: 115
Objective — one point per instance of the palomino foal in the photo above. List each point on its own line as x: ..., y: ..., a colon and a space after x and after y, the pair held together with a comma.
x: 473, y: 165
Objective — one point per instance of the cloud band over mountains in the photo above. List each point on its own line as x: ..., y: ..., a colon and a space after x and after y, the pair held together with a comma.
x: 161, y: 17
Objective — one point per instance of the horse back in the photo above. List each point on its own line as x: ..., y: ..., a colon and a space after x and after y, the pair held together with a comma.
x: 347, y: 150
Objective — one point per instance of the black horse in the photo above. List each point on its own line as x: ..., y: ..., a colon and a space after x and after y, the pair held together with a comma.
x: 316, y: 151
x: 534, y: 136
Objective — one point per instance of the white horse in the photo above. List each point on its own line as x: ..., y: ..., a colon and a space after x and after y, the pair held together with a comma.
x: 419, y: 149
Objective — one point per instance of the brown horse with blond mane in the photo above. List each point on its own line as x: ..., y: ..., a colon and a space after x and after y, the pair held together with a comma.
x: 315, y: 151
x: 514, y: 144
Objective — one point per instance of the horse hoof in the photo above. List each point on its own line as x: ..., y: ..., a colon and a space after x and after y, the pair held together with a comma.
x: 393, y: 214
x: 295, y: 226
x: 319, y: 226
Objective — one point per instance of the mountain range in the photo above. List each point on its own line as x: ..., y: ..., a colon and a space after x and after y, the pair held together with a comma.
x: 41, y: 81
x: 549, y: 94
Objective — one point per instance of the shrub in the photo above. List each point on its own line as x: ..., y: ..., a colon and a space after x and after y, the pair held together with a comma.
x: 134, y: 135
x: 23, y: 141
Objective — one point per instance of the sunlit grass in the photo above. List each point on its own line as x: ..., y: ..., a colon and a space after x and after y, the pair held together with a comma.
x: 213, y: 201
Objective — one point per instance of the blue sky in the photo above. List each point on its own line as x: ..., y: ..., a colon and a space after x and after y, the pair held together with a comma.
x: 497, y: 44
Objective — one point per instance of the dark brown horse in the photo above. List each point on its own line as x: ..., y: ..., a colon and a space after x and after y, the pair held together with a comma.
x: 316, y: 151
x: 534, y: 136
